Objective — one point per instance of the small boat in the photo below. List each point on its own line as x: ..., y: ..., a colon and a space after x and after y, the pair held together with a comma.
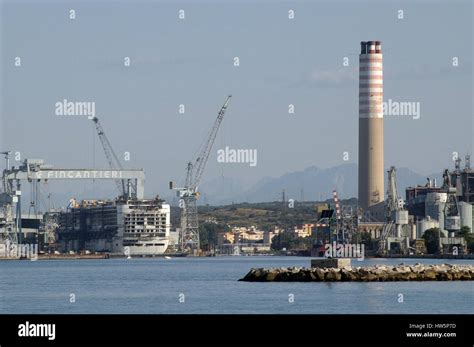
x: 166, y: 257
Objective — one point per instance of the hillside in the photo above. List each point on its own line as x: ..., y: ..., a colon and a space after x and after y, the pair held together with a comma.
x: 262, y: 215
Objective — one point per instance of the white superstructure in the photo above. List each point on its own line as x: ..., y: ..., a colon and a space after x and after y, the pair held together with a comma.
x: 130, y: 227
x: 146, y: 227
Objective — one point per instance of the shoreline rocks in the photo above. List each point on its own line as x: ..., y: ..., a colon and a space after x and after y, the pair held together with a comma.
x: 376, y: 273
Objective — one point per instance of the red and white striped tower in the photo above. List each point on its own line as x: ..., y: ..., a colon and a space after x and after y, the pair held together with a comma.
x: 336, y: 204
x: 371, y: 163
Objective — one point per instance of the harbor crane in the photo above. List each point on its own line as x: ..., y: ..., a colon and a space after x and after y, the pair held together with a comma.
x: 396, y: 216
x: 189, y: 233
x: 124, y: 187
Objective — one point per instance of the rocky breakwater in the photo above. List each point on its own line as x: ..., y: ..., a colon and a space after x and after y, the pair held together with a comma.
x: 377, y: 273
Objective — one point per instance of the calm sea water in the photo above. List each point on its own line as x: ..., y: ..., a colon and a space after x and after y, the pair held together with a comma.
x: 209, y: 285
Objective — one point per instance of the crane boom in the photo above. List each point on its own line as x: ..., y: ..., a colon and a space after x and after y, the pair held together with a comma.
x: 203, y: 156
x: 114, y: 162
x: 189, y: 233
x: 394, y: 212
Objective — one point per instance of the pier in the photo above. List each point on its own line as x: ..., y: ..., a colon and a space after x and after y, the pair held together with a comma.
x: 377, y: 273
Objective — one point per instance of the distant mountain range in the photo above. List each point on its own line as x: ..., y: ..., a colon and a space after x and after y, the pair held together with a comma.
x: 310, y: 184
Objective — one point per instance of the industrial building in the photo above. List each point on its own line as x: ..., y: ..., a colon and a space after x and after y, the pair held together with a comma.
x: 428, y: 204
x: 466, y: 181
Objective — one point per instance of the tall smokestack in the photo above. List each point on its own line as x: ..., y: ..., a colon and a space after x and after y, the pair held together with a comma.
x: 371, y: 166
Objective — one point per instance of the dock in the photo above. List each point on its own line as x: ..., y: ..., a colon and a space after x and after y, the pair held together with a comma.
x: 377, y: 273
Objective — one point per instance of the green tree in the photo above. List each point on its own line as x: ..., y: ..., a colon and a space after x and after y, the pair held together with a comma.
x: 465, y: 232
x: 208, y: 235
x: 281, y: 241
x: 291, y: 241
x: 431, y: 237
x: 366, y: 239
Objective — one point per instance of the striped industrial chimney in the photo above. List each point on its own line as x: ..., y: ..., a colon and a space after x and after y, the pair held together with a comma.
x: 371, y: 166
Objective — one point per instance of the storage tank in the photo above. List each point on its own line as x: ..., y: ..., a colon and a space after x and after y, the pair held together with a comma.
x: 465, y: 210
x: 413, y: 235
x: 425, y: 224
x: 434, y: 206
x: 436, y: 197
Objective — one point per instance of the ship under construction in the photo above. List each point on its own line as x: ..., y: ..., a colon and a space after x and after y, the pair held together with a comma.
x: 130, y: 226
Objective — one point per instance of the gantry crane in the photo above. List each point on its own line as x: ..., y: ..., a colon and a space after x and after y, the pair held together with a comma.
x: 189, y: 234
x: 124, y: 187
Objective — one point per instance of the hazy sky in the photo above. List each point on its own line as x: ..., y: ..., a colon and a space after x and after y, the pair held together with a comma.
x: 191, y: 62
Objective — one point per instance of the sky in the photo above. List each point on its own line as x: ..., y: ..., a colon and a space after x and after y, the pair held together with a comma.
x: 190, y: 61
